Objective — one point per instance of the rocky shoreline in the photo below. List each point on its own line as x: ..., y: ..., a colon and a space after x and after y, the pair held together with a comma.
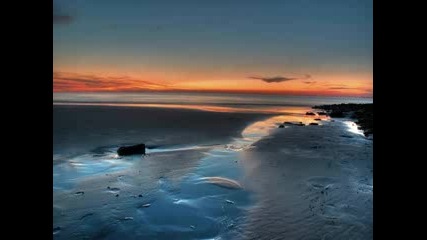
x: 363, y: 113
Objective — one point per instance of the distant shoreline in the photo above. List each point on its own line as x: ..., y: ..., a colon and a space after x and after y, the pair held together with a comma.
x: 363, y: 113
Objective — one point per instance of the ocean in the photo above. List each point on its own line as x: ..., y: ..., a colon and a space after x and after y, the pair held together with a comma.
x: 217, y: 167
x: 202, y: 101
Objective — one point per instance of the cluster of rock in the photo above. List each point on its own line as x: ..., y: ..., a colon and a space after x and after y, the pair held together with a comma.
x: 291, y: 123
x: 296, y: 124
x: 363, y: 113
x: 317, y: 113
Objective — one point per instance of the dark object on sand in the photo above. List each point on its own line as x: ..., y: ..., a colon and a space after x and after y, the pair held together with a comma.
x: 56, y: 230
x: 310, y: 113
x: 296, y: 124
x: 131, y: 150
x: 281, y: 126
x: 313, y: 124
x: 318, y: 119
x: 364, y: 113
x: 336, y: 114
x: 322, y: 113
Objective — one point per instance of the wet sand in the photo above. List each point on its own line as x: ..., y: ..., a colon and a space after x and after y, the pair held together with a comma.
x: 79, y: 129
x: 256, y: 181
x: 179, y: 189
x: 312, y: 182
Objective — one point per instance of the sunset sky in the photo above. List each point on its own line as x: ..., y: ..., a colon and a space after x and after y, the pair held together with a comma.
x: 302, y: 47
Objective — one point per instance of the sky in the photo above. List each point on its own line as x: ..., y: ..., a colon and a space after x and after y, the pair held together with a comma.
x: 297, y: 47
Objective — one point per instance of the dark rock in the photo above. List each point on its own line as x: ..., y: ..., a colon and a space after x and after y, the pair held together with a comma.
x: 318, y: 119
x: 296, y: 124
x: 140, y: 195
x: 336, y: 114
x: 322, y: 113
x: 314, y: 124
x: 80, y: 193
x: 368, y: 132
x: 281, y: 126
x: 131, y: 150
x: 310, y: 113
x: 362, y: 112
x: 56, y: 230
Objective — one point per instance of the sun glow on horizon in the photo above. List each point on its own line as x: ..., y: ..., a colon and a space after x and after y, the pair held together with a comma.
x: 97, y: 81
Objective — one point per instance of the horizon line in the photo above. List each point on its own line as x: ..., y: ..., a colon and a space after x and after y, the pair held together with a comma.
x: 285, y: 93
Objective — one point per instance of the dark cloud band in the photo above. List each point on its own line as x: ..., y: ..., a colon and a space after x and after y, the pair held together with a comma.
x: 278, y: 79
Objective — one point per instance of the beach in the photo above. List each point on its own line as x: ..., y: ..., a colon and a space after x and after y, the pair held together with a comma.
x: 209, y: 175
x: 324, y: 174
x: 79, y: 129
x: 212, y: 120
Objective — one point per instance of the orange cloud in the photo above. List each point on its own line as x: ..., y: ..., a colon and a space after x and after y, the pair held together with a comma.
x: 73, y: 82
x: 329, y: 85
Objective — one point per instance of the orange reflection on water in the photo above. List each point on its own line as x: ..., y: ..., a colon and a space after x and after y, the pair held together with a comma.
x: 295, y: 115
x: 210, y: 108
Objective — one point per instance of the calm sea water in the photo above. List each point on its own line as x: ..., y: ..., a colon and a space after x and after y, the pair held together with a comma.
x: 206, y: 101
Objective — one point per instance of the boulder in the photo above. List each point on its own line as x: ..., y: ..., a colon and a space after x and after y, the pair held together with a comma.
x: 281, y: 126
x: 322, y: 113
x: 314, y: 124
x: 318, y: 119
x: 337, y: 114
x: 131, y: 150
x: 310, y: 113
x: 293, y: 123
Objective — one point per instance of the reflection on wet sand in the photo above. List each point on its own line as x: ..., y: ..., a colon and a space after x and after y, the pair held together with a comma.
x: 222, y: 182
x: 307, y: 182
x: 295, y: 181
